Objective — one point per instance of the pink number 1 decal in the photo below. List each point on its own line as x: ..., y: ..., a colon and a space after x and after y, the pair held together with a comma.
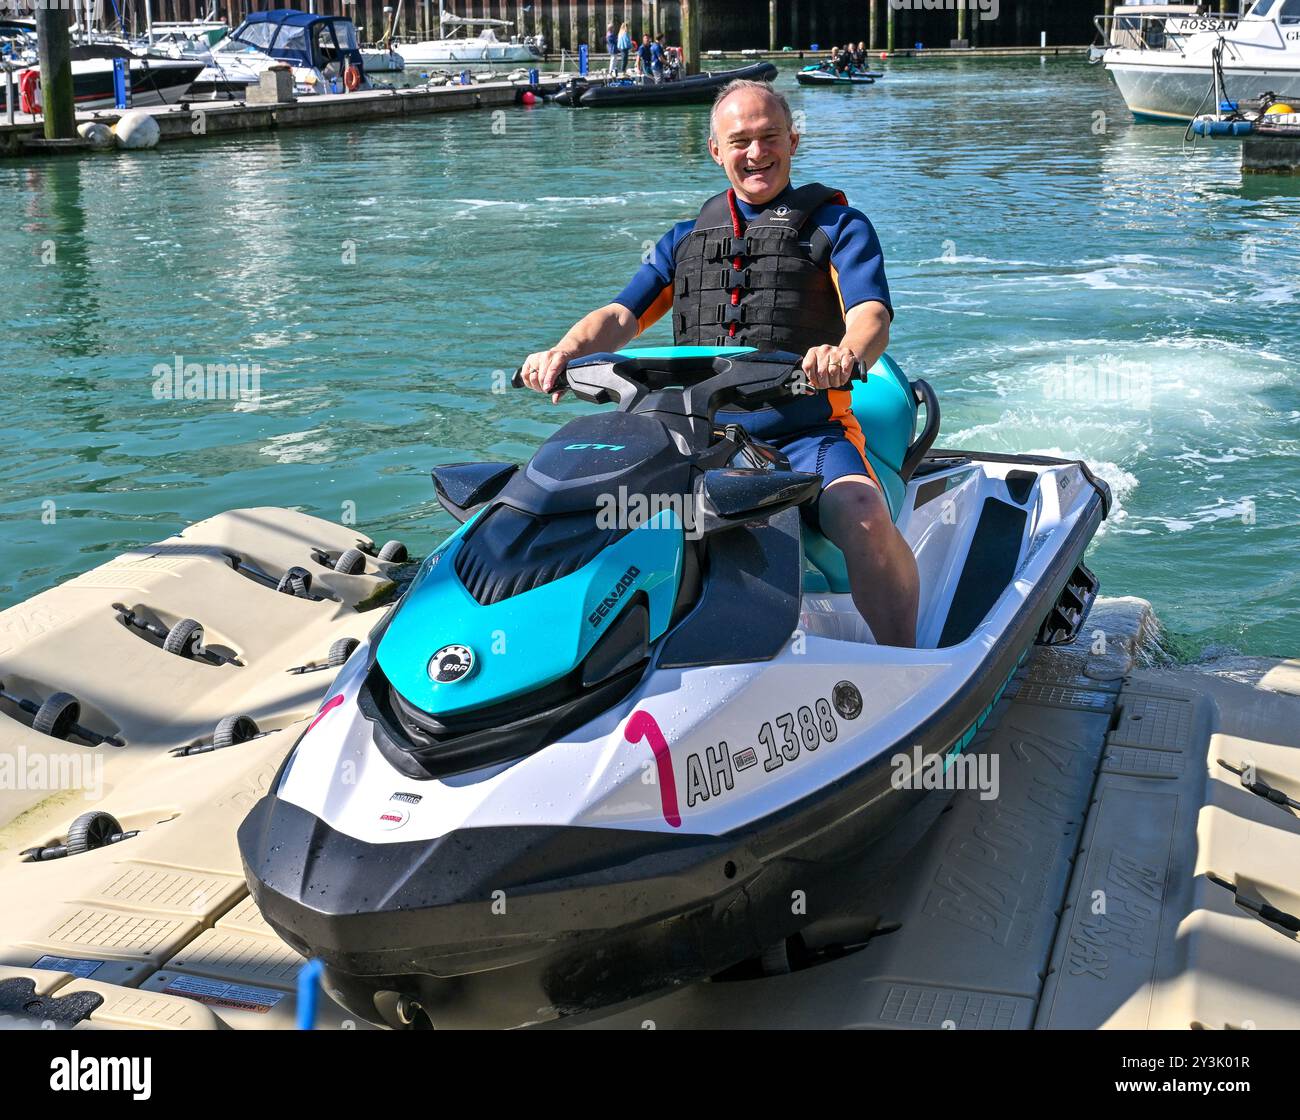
x: 642, y: 725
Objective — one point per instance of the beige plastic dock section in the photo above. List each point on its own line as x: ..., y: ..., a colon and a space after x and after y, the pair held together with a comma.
x: 1088, y: 893
x: 160, y: 925
x: 1096, y: 889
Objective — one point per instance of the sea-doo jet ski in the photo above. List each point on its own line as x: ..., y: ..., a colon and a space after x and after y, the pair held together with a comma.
x: 627, y: 711
x: 825, y: 74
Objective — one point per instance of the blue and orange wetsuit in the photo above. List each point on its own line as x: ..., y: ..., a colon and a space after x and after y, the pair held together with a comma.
x: 817, y: 432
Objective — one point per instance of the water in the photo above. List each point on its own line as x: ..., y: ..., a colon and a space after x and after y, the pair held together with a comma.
x: 1088, y: 293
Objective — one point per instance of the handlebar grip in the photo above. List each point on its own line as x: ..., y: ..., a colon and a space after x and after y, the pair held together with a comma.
x: 517, y: 381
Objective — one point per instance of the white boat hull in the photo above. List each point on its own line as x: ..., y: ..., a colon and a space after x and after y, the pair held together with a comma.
x: 1171, y: 77
x: 1178, y: 93
x: 383, y: 62
x: 467, y: 53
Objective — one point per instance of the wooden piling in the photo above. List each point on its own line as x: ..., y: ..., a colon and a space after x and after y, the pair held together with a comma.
x: 54, y: 49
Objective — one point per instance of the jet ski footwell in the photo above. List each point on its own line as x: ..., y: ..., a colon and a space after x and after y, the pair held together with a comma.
x: 1110, y: 782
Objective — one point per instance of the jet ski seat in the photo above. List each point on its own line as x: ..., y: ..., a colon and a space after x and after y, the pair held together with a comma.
x: 886, y: 406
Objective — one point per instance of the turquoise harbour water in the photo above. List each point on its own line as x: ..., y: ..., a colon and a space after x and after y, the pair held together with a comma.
x: 1093, y: 293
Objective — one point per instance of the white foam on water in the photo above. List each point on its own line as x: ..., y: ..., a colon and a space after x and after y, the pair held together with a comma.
x: 294, y: 447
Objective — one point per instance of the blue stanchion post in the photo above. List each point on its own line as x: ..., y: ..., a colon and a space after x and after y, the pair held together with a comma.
x: 583, y: 58
x: 309, y: 994
x: 121, y: 96
x: 534, y: 77
x: 464, y: 77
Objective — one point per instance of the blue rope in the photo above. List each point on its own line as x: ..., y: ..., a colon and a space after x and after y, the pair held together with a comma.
x: 309, y: 994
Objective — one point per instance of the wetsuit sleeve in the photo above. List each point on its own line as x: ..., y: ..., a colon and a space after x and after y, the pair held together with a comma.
x: 649, y: 295
x: 857, y: 260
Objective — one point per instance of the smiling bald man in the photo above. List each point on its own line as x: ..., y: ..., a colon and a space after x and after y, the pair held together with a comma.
x: 770, y: 265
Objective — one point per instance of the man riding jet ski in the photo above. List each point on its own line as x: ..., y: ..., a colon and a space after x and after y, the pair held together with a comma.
x: 768, y: 265
x: 586, y: 758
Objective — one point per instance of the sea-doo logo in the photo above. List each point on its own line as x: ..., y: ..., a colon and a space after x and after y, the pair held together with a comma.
x: 614, y: 596
x: 451, y: 664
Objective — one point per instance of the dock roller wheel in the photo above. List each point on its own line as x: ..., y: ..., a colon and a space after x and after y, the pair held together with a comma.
x: 351, y: 562
x: 185, y: 639
x: 341, y: 650
x: 58, y: 715
x: 296, y: 581
x: 232, y: 730
x: 393, y: 552
x: 90, y: 831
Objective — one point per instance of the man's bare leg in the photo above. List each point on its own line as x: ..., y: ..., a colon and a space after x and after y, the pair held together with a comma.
x: 883, y: 579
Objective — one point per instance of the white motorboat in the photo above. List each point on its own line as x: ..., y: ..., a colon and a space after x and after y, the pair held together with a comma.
x: 458, y: 47
x: 150, y: 80
x: 321, y: 51
x: 1163, y: 56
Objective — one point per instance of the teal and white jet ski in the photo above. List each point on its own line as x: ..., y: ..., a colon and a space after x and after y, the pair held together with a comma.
x: 627, y: 710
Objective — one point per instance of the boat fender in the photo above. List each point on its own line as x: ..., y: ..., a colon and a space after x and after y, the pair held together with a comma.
x: 97, y: 134
x: 29, y: 91
x: 352, y: 78
x: 1279, y: 109
x: 136, y: 129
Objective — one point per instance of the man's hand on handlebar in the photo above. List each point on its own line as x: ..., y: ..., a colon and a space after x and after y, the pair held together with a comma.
x: 542, y: 370
x: 829, y: 367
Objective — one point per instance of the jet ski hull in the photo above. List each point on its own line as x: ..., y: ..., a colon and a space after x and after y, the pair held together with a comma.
x: 485, y: 922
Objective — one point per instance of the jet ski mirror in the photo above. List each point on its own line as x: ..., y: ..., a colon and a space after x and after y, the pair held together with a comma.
x: 463, y: 487
x: 730, y: 496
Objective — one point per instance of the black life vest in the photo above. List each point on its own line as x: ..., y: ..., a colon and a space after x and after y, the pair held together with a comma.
x: 786, y: 297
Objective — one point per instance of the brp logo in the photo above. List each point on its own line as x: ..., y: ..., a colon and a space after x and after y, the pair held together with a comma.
x: 393, y: 816
x: 451, y: 664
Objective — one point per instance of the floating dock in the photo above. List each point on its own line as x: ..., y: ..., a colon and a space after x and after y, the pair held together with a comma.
x: 189, y: 120
x: 1125, y: 875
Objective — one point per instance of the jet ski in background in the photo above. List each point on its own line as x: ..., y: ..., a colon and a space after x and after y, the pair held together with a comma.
x: 825, y: 74
x: 628, y: 708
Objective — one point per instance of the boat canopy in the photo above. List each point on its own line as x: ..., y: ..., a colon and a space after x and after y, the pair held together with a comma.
x: 301, y: 38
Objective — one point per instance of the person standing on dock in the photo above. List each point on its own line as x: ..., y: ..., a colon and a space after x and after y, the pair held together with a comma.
x: 769, y: 265
x: 624, y: 46
x: 611, y: 45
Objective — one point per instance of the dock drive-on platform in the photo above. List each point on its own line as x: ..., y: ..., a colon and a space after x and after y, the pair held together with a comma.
x: 1123, y: 876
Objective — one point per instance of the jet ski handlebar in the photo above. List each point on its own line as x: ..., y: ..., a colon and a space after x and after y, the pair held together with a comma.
x: 701, y: 378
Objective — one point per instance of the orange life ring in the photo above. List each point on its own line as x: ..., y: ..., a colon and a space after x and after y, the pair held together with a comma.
x: 352, y: 78
x: 29, y: 91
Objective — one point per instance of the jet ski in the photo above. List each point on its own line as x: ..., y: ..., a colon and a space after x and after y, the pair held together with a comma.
x: 825, y: 74
x: 627, y: 711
